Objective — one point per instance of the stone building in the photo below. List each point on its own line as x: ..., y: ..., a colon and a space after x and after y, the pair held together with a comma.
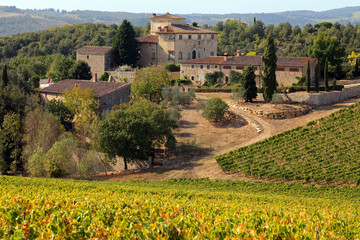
x: 287, y: 68
x: 171, y: 40
x: 100, y: 59
x: 108, y: 94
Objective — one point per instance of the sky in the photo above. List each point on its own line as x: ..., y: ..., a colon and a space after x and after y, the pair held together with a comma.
x: 184, y: 6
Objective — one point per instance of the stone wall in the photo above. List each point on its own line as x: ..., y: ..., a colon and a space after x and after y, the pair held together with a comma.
x: 95, y: 61
x: 203, y: 46
x: 148, y: 53
x: 119, y: 76
x: 172, y: 42
x: 284, y: 114
x: 98, y: 62
x: 196, y: 72
x: 116, y: 97
x: 324, y: 98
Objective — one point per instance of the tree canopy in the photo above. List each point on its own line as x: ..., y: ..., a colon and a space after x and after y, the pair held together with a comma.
x: 327, y: 47
x: 133, y: 132
x: 149, y: 82
x: 80, y: 70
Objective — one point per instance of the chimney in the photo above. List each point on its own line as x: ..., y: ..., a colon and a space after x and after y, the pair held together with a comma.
x: 154, y: 14
x: 225, y: 56
x: 166, y: 28
x: 159, y: 29
x: 95, y: 77
x: 238, y: 53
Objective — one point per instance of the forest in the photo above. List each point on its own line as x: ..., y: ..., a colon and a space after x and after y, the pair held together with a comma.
x: 233, y: 35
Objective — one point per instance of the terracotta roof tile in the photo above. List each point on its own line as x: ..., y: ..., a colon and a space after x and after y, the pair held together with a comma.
x: 150, y: 38
x: 167, y: 16
x: 100, y: 88
x: 94, y: 49
x: 185, y: 29
x: 254, y: 60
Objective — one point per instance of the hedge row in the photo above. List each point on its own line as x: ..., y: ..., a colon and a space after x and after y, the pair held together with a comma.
x: 279, y: 89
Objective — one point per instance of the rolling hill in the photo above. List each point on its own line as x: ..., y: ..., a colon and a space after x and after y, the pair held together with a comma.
x: 14, y: 21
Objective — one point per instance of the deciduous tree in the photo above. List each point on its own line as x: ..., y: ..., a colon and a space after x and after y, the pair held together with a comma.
x: 149, y: 82
x: 327, y: 47
x: 84, y: 107
x: 80, y: 70
x: 134, y: 132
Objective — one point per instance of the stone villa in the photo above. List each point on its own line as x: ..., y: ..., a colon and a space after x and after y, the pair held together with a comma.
x: 287, y: 68
x: 108, y: 94
x: 171, y: 40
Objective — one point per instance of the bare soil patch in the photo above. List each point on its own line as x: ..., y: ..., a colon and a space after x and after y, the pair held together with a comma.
x: 202, y: 141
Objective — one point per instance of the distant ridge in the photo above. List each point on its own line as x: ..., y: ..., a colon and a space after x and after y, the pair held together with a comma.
x: 14, y: 21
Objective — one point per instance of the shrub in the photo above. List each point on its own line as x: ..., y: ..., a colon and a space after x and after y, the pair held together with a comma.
x: 176, y: 95
x: 104, y: 77
x: 172, y: 67
x: 212, y: 78
x: 174, y: 81
x: 235, y: 77
x: 237, y: 93
x: 277, y: 99
x: 215, y: 110
x: 350, y: 75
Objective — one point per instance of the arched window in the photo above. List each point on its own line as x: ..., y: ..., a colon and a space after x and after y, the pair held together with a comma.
x: 194, y: 54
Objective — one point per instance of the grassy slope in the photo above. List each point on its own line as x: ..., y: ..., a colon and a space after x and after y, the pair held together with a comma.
x: 325, y: 150
x: 175, y: 209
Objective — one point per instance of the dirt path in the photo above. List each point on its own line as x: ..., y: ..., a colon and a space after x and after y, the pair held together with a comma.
x: 205, y: 166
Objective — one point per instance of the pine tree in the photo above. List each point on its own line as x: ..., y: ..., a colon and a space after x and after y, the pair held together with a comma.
x: 269, y: 73
x: 125, y: 43
x: 4, y: 77
x: 308, y: 76
x: 249, y: 84
x: 317, y: 75
x: 326, y: 75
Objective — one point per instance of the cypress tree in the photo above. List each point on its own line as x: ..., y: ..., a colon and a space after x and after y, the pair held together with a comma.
x: 356, y: 69
x: 269, y: 70
x: 334, y: 84
x: 317, y: 75
x: 5, y: 77
x: 308, y: 76
x: 249, y: 84
x: 326, y: 75
x: 125, y: 43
